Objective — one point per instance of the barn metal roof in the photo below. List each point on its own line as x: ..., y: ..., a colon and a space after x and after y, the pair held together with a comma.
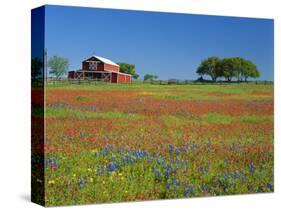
x: 105, y: 60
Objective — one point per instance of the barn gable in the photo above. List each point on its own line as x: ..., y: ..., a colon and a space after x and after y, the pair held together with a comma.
x: 101, y: 59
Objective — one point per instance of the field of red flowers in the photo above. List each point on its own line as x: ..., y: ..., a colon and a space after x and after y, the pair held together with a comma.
x: 112, y: 143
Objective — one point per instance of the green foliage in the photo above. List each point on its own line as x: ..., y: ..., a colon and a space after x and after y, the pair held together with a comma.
x: 228, y: 68
x: 82, y: 114
x: 58, y: 65
x: 249, y: 70
x: 150, y: 77
x: 128, y: 69
x: 256, y: 119
x: 210, y: 67
x: 231, y: 68
x: 36, y: 65
x: 217, y: 118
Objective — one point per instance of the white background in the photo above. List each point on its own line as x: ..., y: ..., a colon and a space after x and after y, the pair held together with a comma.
x: 15, y: 103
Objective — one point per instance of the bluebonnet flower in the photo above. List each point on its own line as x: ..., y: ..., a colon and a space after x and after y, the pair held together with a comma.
x: 185, y: 148
x: 178, y: 151
x: 205, y: 187
x: 225, y: 175
x: 193, y: 146
x: 231, y: 184
x: 175, y: 181
x: 113, y: 166
x: 235, y: 175
x: 52, y: 163
x: 158, y: 160
x: 123, y: 160
x: 168, y: 185
x: 243, y: 179
x: 163, y: 162
x: 80, y: 183
x: 107, y: 147
x: 191, y: 189
x: 55, y: 164
x: 185, y: 192
x: 157, y: 173
x: 202, y: 169
x: 183, y: 184
x: 47, y: 162
x: 252, y: 168
x: 269, y: 186
x: 171, y: 148
x: 168, y: 170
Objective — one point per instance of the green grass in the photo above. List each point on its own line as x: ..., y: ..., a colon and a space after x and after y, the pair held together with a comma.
x: 60, y: 112
x: 253, y: 119
x: 225, y: 88
x: 169, y: 120
x: 217, y: 118
x: 211, y: 118
x: 182, y: 92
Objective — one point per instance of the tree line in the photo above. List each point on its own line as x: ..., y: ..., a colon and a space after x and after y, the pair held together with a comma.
x: 214, y: 67
x: 59, y: 65
x: 229, y: 68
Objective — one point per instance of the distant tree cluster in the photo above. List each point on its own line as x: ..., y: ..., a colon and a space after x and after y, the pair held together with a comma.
x: 128, y: 69
x: 36, y: 65
x: 150, y: 77
x: 229, y: 68
x: 58, y: 65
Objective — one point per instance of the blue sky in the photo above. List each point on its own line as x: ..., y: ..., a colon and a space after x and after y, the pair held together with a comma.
x: 170, y: 45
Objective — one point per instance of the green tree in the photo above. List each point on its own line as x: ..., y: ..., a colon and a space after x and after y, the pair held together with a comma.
x: 36, y: 65
x: 58, y: 65
x: 249, y: 69
x: 238, y: 67
x: 229, y: 68
x: 150, y: 77
x: 128, y: 69
x: 211, y: 67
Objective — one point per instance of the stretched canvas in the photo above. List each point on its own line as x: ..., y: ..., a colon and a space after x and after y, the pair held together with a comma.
x: 136, y: 105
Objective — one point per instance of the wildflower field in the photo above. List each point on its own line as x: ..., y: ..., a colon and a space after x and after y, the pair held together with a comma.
x: 113, y: 143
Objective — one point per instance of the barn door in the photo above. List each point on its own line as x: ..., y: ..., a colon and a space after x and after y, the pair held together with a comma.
x: 106, y: 77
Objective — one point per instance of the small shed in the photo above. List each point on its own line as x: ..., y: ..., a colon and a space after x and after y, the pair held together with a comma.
x: 100, y: 69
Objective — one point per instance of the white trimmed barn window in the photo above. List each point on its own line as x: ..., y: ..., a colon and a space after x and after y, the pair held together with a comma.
x: 93, y: 66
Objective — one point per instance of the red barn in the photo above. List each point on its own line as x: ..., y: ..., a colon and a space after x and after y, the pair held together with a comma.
x: 101, y: 69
